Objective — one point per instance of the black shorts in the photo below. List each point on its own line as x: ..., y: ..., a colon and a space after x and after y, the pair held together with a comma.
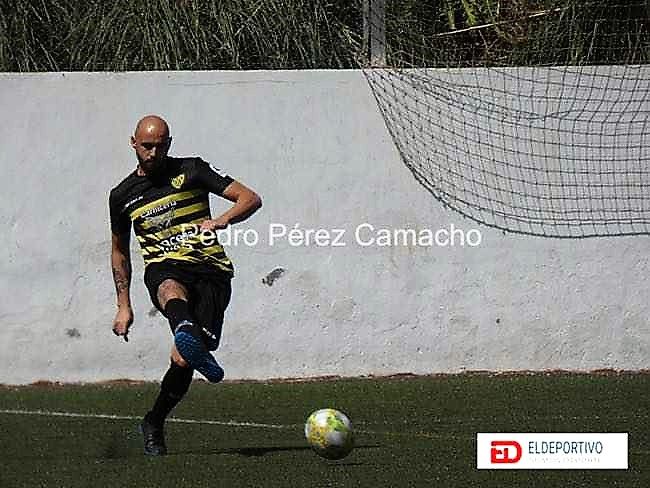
x: 209, y: 292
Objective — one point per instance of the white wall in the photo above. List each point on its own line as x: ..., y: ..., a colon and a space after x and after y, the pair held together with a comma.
x: 313, y: 144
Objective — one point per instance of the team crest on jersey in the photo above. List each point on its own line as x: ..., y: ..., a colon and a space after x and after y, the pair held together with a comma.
x: 178, y: 181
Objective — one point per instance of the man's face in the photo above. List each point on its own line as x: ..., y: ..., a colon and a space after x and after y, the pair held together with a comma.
x: 151, y: 147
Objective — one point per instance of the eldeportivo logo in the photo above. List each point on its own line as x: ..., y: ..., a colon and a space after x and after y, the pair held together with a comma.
x: 505, y: 452
x: 177, y: 182
x: 551, y: 451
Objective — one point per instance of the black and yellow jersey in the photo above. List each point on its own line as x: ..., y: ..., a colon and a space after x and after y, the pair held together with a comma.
x: 166, y: 211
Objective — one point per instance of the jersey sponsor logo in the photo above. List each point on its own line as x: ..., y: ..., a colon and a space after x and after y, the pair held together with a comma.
x: 159, y: 208
x: 177, y: 182
x: 181, y: 239
x: 160, y: 222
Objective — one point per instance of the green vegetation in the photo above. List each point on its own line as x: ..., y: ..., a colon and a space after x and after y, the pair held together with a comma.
x: 64, y: 35
x: 410, y: 432
x: 51, y: 35
x: 467, y: 33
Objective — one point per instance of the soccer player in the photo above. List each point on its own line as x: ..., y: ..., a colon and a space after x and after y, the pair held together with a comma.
x: 187, y: 273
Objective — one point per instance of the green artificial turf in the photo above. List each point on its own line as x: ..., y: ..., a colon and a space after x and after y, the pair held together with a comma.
x: 409, y: 432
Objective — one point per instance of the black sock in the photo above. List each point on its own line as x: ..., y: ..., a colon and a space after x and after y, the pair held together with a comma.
x: 174, y: 385
x: 177, y: 311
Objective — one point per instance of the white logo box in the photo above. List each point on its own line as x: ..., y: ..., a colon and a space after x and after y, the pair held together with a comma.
x: 552, y: 450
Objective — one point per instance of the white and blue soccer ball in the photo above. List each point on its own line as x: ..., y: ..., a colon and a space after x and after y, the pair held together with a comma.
x: 329, y: 433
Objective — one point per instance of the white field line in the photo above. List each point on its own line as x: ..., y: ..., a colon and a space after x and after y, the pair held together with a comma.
x: 226, y: 423
x: 257, y: 425
x: 236, y: 423
x: 233, y: 423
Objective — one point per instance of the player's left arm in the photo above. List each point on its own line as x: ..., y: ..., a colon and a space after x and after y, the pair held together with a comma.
x: 246, y: 203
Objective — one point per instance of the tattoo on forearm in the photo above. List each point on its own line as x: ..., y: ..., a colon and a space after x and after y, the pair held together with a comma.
x: 121, y: 277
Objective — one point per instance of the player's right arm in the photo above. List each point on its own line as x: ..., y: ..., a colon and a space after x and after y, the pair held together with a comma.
x: 121, y: 266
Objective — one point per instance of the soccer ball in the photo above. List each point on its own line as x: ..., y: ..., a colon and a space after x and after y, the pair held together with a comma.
x: 329, y: 433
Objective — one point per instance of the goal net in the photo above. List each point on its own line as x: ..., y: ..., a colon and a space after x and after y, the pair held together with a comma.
x: 529, y: 116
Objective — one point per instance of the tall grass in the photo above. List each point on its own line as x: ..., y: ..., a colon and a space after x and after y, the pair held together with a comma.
x: 40, y: 35
x: 518, y: 32
x: 45, y: 35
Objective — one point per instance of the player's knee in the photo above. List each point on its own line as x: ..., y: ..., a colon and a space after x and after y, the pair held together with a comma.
x: 169, y: 289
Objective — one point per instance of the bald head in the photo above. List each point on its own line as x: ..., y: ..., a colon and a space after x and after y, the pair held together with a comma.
x: 151, y: 124
x: 151, y: 142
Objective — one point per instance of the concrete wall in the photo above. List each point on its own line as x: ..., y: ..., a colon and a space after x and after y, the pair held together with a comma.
x: 315, y: 147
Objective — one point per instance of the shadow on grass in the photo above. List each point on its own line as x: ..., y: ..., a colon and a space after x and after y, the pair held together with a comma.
x: 261, y: 451
x: 122, y: 444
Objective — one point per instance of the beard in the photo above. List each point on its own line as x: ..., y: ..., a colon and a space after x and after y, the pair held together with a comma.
x: 153, y: 167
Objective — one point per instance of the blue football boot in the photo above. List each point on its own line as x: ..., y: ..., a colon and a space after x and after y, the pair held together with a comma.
x: 190, y: 346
